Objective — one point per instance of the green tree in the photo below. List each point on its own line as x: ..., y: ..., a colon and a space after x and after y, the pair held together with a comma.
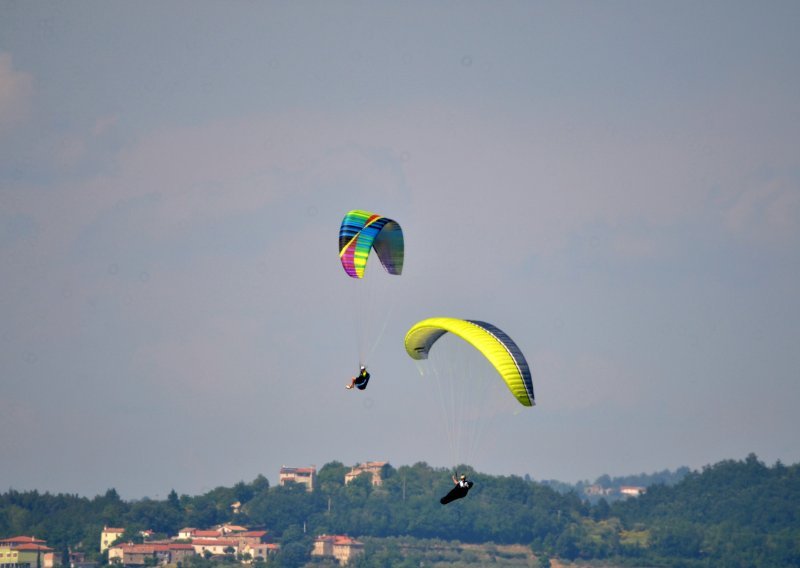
x: 292, y: 555
x: 173, y: 500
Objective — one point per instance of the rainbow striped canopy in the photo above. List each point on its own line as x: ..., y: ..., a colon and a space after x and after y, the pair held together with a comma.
x: 362, y: 231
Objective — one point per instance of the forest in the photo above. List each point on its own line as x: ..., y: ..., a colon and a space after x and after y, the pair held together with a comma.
x: 733, y: 513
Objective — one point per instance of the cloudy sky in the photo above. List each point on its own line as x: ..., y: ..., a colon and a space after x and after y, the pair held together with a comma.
x: 616, y: 185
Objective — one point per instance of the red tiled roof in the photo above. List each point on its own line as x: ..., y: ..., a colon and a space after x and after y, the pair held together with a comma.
x: 207, y: 534
x: 151, y: 547
x: 26, y: 539
x: 180, y: 546
x: 109, y: 530
x: 215, y: 542
x: 32, y: 546
x: 339, y: 539
x: 143, y: 548
x: 253, y: 533
x: 298, y: 469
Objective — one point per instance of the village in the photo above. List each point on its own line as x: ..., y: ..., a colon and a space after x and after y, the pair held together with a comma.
x: 226, y: 541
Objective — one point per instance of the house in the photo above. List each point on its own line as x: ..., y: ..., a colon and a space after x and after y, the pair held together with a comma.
x: 372, y: 468
x: 305, y: 475
x: 228, y: 529
x: 632, y: 491
x: 261, y: 551
x: 341, y: 547
x: 179, y: 552
x: 26, y: 550
x: 216, y: 546
x: 223, y: 540
x: 129, y: 554
x: 109, y: 536
x: 597, y: 490
x: 186, y: 533
x: 35, y: 555
x: 78, y: 560
x: 251, y: 538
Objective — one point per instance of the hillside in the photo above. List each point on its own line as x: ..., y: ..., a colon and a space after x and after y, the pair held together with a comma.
x: 733, y: 512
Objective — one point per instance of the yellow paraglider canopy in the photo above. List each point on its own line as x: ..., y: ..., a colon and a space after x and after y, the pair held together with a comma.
x: 490, y: 341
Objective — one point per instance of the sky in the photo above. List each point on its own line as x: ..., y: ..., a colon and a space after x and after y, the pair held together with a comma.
x: 615, y: 185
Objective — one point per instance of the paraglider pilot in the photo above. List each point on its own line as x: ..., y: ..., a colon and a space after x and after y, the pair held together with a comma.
x: 360, y: 381
x: 462, y: 487
x: 462, y: 481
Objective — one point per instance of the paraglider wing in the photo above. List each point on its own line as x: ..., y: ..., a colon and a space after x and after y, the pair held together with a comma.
x: 490, y: 341
x: 362, y: 231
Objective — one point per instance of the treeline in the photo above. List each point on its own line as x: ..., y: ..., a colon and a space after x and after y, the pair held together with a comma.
x: 664, y: 477
x: 732, y: 513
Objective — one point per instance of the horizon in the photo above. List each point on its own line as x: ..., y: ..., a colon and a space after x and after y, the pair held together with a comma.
x: 579, y: 481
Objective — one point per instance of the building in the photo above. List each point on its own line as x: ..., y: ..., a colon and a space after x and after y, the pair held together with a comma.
x: 9, y: 557
x: 78, y: 560
x: 251, y: 538
x: 632, y: 491
x: 261, y: 551
x: 215, y: 547
x: 26, y: 551
x: 109, y: 536
x: 341, y: 547
x: 35, y: 555
x: 186, y: 533
x: 15, y: 541
x: 207, y: 535
x: 129, y: 554
x: 305, y: 475
x: 375, y: 469
x: 231, y: 529
x: 597, y: 490
x: 228, y: 539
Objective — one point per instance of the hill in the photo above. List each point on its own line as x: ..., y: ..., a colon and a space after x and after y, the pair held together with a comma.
x: 730, y: 513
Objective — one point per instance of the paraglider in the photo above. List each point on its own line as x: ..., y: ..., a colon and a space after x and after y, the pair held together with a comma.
x: 466, y: 376
x: 360, y: 233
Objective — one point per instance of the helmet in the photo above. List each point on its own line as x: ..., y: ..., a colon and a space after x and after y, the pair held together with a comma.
x: 463, y: 476
x: 363, y: 368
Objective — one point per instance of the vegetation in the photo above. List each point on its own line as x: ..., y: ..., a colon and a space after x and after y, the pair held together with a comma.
x: 734, y: 513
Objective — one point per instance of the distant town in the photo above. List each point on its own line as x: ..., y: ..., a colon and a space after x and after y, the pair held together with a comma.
x: 374, y: 515
x: 222, y: 542
x: 226, y: 541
